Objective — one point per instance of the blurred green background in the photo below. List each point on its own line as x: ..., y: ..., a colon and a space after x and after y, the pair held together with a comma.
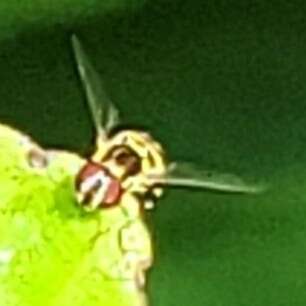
x: 220, y: 83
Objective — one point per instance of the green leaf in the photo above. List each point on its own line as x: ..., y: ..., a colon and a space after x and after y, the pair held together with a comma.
x: 52, y: 252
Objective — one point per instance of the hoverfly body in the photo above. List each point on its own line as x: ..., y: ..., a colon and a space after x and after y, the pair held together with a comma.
x: 126, y: 175
x: 134, y: 157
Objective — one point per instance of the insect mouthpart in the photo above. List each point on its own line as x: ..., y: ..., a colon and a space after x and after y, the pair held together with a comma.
x: 96, y: 187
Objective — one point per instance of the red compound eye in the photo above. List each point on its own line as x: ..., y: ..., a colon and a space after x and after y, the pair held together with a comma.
x: 113, y: 193
x: 112, y: 188
x: 87, y: 171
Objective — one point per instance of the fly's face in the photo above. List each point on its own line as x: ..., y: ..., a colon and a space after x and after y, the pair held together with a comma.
x: 123, y: 163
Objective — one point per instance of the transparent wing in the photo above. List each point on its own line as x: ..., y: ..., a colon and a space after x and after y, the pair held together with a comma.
x: 186, y: 175
x: 103, y: 111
